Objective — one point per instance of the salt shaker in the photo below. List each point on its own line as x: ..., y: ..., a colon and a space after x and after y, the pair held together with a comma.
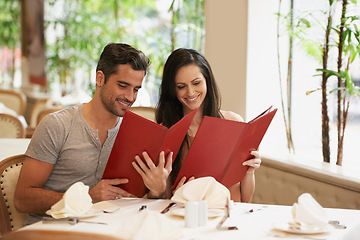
x: 191, y: 214
x: 202, y: 213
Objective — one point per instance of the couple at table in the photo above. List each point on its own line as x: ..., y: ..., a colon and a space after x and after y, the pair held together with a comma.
x: 74, y: 144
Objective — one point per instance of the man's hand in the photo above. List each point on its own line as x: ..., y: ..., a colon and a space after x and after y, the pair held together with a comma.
x: 154, y: 177
x: 106, y: 189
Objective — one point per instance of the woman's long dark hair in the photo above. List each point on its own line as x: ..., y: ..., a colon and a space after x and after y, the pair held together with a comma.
x: 169, y: 109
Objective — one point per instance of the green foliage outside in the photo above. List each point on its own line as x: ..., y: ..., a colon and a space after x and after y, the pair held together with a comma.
x: 78, y: 30
x: 332, y: 37
x: 9, y: 37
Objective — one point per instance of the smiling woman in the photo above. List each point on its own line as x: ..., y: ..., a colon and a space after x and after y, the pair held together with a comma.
x: 188, y: 84
x: 190, y: 87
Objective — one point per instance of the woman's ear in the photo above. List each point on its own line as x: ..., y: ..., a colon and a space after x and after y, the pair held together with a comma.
x: 100, y: 78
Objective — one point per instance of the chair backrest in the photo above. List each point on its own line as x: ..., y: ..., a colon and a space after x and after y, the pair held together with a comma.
x: 10, y: 218
x: 45, y: 112
x: 13, y: 100
x: 146, y: 112
x: 11, y: 126
x: 56, y: 235
x: 39, y: 105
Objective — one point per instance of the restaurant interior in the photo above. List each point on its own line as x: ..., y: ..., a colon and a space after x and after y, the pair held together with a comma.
x: 241, y: 41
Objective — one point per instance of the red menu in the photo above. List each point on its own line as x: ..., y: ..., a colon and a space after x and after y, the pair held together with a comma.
x: 221, y: 146
x: 136, y: 135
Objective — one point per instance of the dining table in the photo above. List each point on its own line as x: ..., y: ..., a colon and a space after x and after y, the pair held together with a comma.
x: 247, y: 221
x: 13, y: 146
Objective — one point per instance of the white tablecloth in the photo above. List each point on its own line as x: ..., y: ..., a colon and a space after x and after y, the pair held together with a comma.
x: 13, y: 146
x: 257, y: 224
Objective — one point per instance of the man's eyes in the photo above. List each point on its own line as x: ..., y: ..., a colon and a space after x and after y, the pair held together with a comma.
x: 126, y: 86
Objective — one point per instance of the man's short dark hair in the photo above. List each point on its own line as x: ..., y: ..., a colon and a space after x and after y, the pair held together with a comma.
x: 115, y: 54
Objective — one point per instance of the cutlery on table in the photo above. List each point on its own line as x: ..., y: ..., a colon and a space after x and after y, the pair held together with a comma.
x: 227, y: 215
x: 70, y: 220
x: 171, y: 205
x: 337, y: 224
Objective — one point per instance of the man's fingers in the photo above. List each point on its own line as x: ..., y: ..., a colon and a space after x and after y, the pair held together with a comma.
x: 148, y: 160
x: 116, y: 181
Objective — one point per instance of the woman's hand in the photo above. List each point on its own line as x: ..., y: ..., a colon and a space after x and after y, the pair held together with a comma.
x: 154, y: 177
x: 182, y: 181
x: 253, y: 163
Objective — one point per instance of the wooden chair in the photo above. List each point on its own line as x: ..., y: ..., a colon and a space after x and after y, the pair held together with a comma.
x: 45, y: 112
x: 55, y: 235
x: 39, y: 106
x: 146, y: 112
x: 10, y: 218
x: 11, y: 126
x: 13, y: 100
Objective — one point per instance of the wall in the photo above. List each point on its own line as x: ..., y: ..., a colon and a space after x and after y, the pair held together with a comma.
x: 281, y: 183
x: 225, y: 49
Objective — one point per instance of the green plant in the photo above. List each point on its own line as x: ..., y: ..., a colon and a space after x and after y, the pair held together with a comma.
x: 344, y: 38
x: 9, y: 35
x: 286, y: 101
x: 88, y: 25
x: 77, y: 31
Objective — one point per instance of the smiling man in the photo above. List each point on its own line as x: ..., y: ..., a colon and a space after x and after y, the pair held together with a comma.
x: 74, y: 145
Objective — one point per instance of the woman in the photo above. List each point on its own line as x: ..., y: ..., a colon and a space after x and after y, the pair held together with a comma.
x: 187, y: 84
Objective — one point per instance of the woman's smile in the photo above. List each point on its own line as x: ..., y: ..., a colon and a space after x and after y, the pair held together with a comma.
x: 190, y: 86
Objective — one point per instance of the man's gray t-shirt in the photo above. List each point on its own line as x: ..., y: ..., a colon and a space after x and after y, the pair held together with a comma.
x: 66, y: 140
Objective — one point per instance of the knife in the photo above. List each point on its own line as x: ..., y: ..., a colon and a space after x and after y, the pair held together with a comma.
x: 171, y: 205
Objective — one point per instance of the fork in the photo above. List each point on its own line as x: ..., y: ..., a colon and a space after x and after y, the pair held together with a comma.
x: 70, y: 220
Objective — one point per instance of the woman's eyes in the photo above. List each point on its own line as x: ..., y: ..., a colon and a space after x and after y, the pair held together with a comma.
x: 194, y: 83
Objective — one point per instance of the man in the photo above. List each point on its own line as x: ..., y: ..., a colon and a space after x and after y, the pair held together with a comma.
x: 74, y: 144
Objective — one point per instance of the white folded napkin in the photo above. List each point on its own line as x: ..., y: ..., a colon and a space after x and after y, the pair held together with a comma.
x: 205, y: 188
x: 75, y: 202
x: 308, y: 213
x: 147, y: 224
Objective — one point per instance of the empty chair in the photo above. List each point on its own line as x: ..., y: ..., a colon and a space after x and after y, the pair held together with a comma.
x: 11, y: 126
x: 45, y: 112
x: 13, y: 100
x: 39, y: 105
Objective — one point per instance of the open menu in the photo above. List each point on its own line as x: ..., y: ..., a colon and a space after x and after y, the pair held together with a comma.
x: 136, y: 135
x: 221, y: 146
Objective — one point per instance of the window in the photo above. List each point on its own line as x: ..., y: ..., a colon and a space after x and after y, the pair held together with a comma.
x: 306, y: 109
x: 78, y: 30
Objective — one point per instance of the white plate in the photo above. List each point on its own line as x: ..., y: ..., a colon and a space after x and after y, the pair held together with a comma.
x: 91, y: 213
x: 286, y: 228
x: 212, y: 212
